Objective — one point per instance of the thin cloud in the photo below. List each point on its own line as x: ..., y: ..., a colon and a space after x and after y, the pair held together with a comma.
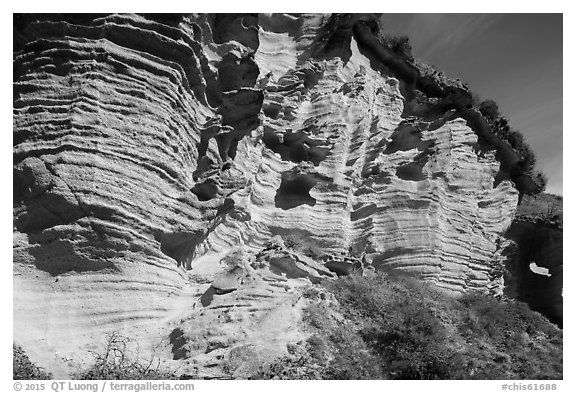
x: 553, y: 169
x: 535, y: 115
x: 446, y: 33
x: 515, y: 59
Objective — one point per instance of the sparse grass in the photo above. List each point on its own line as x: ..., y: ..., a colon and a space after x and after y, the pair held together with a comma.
x: 398, y: 321
x: 545, y: 207
x: 336, y: 351
x: 402, y: 328
x: 23, y: 368
x: 519, y: 343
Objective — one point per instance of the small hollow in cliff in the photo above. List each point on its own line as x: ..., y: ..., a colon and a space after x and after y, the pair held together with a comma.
x: 180, y: 246
x: 295, y: 147
x: 205, y: 191
x: 542, y: 245
x: 411, y: 172
x: 406, y: 137
x: 295, y: 191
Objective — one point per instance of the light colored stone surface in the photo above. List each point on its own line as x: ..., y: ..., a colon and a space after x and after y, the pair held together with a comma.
x: 131, y: 189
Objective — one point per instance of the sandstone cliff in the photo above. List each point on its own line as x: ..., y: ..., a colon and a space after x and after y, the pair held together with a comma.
x: 155, y: 157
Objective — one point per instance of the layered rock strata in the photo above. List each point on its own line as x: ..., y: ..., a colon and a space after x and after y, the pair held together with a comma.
x: 147, y: 147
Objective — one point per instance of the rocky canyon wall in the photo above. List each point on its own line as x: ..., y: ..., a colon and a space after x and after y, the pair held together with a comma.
x: 146, y: 148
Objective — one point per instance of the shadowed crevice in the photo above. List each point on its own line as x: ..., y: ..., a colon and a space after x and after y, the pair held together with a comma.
x: 295, y: 146
x: 205, y: 191
x: 180, y: 246
x: 295, y: 191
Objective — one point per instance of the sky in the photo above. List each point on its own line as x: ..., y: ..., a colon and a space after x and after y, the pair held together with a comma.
x: 514, y: 59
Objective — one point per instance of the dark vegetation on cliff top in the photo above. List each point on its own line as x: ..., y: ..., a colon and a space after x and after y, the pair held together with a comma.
x: 500, y: 125
x: 437, y: 83
x: 385, y: 327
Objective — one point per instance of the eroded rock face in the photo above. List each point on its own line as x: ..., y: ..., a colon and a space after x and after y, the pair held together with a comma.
x: 146, y: 148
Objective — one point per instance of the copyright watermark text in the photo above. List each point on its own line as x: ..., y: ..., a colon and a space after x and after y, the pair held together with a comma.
x: 529, y: 386
x: 102, y: 386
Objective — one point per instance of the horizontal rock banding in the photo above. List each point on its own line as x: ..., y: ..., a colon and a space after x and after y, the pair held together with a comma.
x: 144, y: 150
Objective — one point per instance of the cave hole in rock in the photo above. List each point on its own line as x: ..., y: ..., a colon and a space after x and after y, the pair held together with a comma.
x: 180, y: 246
x: 241, y: 109
x: 287, y: 267
x: 205, y: 191
x: 295, y: 191
x: 342, y: 268
x: 406, y: 137
x: 295, y: 146
x: 411, y: 172
x: 288, y: 113
x: 226, y: 207
x: 535, y: 265
x: 271, y: 109
x: 312, y: 75
x: 363, y: 212
x: 234, y: 72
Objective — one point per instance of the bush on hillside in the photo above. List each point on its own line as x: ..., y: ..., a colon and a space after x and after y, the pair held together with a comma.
x: 120, y: 361
x: 23, y: 368
x: 401, y: 328
x: 547, y: 208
